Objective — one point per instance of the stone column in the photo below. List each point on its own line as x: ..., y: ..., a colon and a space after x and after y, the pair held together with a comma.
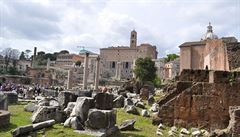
x: 85, y: 73
x: 97, y: 74
x: 69, y: 80
x: 116, y: 73
x: 48, y: 63
x: 119, y: 68
x: 34, y: 57
x: 133, y: 67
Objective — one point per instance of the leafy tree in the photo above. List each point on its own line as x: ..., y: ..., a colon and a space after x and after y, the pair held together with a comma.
x: 157, y: 82
x: 13, y: 71
x: 22, y: 56
x: 78, y: 63
x: 64, y: 52
x: 41, y: 53
x: 145, y: 69
x: 50, y: 56
x: 171, y: 57
x: 27, y: 52
x: 10, y: 55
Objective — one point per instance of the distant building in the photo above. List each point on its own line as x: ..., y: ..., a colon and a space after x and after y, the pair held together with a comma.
x: 118, y: 61
x: 159, y: 64
x: 40, y: 76
x: 91, y: 63
x: 167, y: 70
x: 210, y: 53
x: 171, y: 69
x: 67, y: 60
x: 22, y: 65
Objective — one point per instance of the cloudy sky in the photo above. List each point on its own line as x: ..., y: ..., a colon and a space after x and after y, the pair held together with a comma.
x: 54, y: 25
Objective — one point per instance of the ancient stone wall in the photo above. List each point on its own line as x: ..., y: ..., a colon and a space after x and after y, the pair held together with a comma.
x: 234, y: 123
x: 202, y: 104
x: 233, y: 51
x: 224, y: 77
x: 194, y: 75
x: 4, y: 118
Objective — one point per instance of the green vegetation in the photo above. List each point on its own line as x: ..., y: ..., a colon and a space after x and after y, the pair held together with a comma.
x: 19, y: 117
x: 78, y: 63
x: 171, y: 57
x: 157, y: 82
x: 11, y: 71
x: 22, y: 56
x: 232, y: 78
x: 145, y: 69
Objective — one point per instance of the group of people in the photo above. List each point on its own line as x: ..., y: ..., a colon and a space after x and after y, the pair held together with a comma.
x: 26, y: 91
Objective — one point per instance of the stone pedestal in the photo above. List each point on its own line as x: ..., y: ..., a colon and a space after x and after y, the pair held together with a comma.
x: 101, y: 119
x: 4, y: 118
x: 3, y: 102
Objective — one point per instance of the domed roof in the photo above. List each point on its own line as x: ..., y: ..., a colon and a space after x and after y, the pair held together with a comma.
x: 83, y: 51
x: 209, y: 34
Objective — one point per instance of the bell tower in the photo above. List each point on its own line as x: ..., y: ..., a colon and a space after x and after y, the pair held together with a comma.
x: 133, y: 39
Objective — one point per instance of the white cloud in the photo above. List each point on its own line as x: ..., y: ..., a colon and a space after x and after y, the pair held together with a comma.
x: 53, y: 25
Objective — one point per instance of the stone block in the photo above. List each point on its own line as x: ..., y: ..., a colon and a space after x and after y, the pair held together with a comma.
x: 3, y: 101
x: 118, y: 102
x: 44, y: 113
x: 23, y: 130
x: 12, y: 97
x: 4, y: 118
x: 82, y: 107
x: 127, y: 125
x: 104, y: 101
x: 101, y: 119
x: 65, y: 96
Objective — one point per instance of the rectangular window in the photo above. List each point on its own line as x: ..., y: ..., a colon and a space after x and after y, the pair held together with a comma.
x: 113, y: 64
x: 126, y: 65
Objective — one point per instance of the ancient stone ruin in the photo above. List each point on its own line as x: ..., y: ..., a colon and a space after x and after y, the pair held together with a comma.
x: 201, y: 99
x: 4, y: 118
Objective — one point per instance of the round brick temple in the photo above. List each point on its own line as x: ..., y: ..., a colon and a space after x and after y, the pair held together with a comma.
x: 4, y: 118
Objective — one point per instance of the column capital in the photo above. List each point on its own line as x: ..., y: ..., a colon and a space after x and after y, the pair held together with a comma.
x: 98, y: 58
x: 87, y: 54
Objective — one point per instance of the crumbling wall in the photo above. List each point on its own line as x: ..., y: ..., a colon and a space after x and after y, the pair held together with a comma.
x: 203, y: 104
x: 194, y: 75
x: 234, y: 123
x: 206, y: 105
x: 233, y: 51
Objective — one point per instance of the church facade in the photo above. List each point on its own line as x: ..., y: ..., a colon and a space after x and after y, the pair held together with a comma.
x: 211, y: 53
x: 118, y: 62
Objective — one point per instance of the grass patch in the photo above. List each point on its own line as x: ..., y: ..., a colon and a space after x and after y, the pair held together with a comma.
x: 19, y: 117
x: 143, y: 125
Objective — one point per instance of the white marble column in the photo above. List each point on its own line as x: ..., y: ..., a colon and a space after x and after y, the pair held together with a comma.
x: 133, y: 67
x: 69, y: 80
x: 85, y: 73
x: 119, y: 68
x: 48, y: 64
x: 97, y: 74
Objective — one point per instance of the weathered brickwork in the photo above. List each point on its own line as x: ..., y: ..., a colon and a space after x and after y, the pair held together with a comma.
x: 201, y: 104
